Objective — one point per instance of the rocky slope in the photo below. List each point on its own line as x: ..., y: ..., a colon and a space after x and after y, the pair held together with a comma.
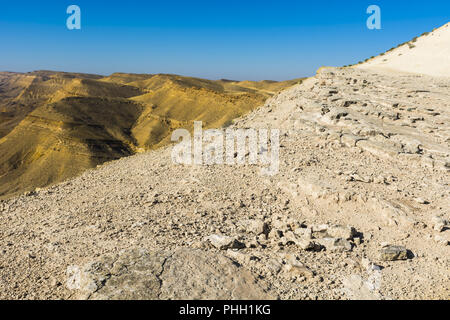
x: 428, y: 54
x: 55, y: 125
x: 359, y: 209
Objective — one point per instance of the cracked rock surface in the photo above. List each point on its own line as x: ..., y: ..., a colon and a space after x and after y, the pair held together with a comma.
x: 183, y: 274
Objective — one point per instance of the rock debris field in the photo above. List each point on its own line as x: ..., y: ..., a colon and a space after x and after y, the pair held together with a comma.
x: 359, y: 209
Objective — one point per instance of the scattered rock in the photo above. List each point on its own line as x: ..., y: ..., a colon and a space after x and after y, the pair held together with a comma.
x: 300, y: 270
x: 336, y: 244
x: 421, y: 201
x: 439, y: 223
x: 274, y: 266
x: 224, y: 242
x: 290, y: 237
x: 366, y: 264
x: 335, y: 231
x: 304, y: 233
x: 322, y: 228
x: 255, y: 226
x: 295, y: 267
x: 309, y: 245
x: 393, y: 253
x: 344, y: 232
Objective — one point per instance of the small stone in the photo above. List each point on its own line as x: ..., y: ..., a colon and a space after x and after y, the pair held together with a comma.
x: 302, y: 271
x: 309, y: 245
x: 274, y: 235
x: 336, y: 244
x: 237, y: 256
x: 55, y: 283
x: 224, y: 242
x: 393, y: 253
x: 198, y: 245
x: 368, y: 265
x: 320, y: 228
x: 365, y: 263
x: 253, y: 244
x: 304, y: 233
x: 439, y: 227
x: 344, y: 232
x: 380, y: 180
x: 290, y: 237
x: 336, y: 231
x: 261, y: 237
x: 297, y: 268
x: 441, y: 240
x: 278, y: 224
x: 421, y: 201
x: 255, y: 226
x: 439, y: 224
x: 274, y: 266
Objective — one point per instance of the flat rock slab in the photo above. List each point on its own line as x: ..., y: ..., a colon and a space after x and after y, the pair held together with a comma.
x: 178, y: 275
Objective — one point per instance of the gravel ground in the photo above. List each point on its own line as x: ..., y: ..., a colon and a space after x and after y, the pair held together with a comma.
x: 364, y: 167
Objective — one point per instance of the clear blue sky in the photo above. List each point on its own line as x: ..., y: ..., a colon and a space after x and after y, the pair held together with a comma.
x: 233, y: 39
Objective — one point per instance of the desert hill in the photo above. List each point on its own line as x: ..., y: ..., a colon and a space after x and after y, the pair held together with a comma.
x: 427, y: 54
x: 54, y: 125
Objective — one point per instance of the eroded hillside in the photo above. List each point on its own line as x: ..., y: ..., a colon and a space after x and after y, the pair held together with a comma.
x: 55, y: 125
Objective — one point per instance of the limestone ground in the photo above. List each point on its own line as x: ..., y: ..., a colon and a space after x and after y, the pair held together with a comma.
x: 364, y: 163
